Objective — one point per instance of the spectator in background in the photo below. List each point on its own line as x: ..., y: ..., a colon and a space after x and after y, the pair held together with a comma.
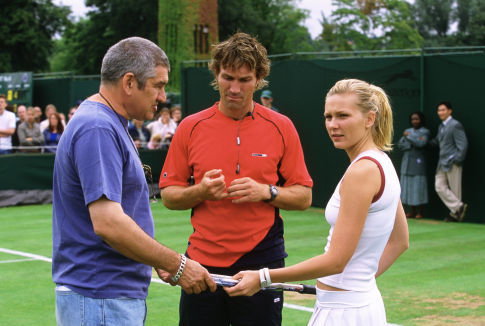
x: 71, y: 113
x: 37, y: 114
x: 414, y: 184
x: 155, y: 142
x: 29, y: 132
x: 7, y: 127
x: 63, y: 118
x: 53, y: 132
x: 139, y: 133
x: 21, y: 111
x: 164, y: 127
x: 50, y: 109
x: 267, y: 100
x: 176, y: 114
x: 453, y: 145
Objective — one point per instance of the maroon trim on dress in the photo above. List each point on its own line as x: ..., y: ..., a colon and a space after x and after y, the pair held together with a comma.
x: 383, y: 177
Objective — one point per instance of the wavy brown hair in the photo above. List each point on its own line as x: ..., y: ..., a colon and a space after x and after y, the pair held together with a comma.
x: 240, y: 49
x: 60, y: 126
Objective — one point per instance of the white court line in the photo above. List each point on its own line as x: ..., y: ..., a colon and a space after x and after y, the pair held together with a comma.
x: 297, y: 307
x: 16, y: 260
x: 26, y: 254
x: 155, y: 280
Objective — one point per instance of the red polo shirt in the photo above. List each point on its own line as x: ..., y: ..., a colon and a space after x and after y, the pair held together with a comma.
x: 265, y: 146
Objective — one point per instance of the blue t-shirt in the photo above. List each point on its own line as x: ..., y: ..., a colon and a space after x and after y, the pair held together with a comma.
x: 95, y: 157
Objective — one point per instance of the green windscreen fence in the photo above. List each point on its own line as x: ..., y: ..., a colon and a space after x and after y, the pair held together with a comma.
x: 34, y: 171
x: 413, y: 83
x: 63, y: 91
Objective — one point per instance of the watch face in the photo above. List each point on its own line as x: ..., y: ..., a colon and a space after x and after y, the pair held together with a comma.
x: 274, y: 191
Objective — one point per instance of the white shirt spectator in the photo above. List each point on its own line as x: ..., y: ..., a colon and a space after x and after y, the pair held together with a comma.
x: 7, y: 121
x: 157, y: 127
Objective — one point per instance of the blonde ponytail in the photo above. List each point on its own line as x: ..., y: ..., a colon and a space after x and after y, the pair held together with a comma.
x: 371, y: 98
x: 383, y: 129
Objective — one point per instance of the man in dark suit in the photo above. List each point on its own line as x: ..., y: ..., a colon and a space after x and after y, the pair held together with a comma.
x: 453, y: 144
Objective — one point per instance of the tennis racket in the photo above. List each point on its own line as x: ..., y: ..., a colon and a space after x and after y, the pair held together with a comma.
x: 225, y: 280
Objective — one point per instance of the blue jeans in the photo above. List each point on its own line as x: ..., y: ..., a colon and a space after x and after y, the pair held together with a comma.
x: 5, y: 151
x: 73, y: 309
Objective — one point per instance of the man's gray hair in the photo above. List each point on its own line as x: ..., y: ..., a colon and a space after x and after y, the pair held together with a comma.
x: 136, y: 55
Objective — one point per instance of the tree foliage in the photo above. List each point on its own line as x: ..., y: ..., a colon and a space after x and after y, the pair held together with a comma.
x: 278, y: 24
x: 474, y: 32
x: 31, y: 29
x: 84, y: 43
x: 463, y: 14
x: 369, y: 25
x: 27, y: 28
x: 451, y: 22
x: 433, y: 17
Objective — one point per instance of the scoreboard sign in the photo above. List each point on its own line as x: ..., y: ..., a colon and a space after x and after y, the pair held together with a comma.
x: 17, y: 87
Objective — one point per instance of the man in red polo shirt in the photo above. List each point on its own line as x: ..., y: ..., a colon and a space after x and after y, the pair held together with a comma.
x: 235, y: 165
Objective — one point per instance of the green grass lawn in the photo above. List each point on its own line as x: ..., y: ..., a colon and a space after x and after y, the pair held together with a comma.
x: 440, y: 280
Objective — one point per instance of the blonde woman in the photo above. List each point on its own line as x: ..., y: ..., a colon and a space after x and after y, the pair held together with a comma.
x: 368, y: 225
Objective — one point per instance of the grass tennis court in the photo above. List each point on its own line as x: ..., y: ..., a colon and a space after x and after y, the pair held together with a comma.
x: 440, y: 280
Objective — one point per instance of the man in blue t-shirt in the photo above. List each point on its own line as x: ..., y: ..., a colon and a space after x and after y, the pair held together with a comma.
x: 103, y: 245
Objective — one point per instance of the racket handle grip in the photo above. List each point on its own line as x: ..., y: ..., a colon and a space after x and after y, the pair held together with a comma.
x: 308, y: 289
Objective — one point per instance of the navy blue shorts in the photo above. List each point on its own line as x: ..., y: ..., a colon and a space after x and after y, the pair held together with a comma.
x: 218, y: 309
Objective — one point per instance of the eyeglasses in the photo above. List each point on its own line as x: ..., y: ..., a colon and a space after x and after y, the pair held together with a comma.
x: 149, y: 179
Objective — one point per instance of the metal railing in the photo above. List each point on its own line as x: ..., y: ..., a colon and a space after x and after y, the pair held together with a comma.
x: 364, y: 53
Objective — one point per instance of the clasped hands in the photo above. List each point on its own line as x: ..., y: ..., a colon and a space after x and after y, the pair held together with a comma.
x: 213, y: 187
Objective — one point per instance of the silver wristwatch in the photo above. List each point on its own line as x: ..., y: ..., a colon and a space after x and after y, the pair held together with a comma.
x: 273, y: 192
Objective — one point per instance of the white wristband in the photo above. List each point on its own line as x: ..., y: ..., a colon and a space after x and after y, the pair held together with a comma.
x: 262, y: 279
x: 266, y: 274
x: 177, y: 276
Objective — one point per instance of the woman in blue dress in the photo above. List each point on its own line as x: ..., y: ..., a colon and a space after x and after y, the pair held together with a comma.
x: 53, y: 133
x: 414, y: 189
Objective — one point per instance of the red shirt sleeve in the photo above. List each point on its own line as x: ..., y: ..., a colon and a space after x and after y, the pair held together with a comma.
x: 176, y: 170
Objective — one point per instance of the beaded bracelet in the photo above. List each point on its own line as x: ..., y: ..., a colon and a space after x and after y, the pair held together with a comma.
x: 177, y: 276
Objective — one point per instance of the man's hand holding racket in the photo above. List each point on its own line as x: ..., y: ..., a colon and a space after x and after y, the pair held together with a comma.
x: 194, y: 279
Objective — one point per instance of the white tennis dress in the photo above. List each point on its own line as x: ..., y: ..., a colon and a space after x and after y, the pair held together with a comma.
x: 362, y: 303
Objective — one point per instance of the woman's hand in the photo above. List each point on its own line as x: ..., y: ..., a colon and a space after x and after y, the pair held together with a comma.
x: 249, y: 284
